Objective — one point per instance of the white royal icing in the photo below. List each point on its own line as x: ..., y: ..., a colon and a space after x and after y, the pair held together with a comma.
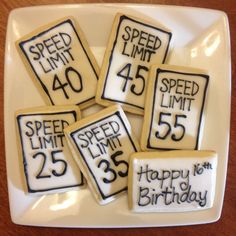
x: 105, y: 146
x: 173, y: 184
x: 61, y: 63
x: 138, y: 46
x: 177, y: 110
x: 48, y: 163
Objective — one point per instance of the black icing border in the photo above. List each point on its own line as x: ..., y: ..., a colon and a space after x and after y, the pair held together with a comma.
x: 158, y: 71
x: 117, y: 113
x: 21, y: 44
x: 123, y: 17
x: 30, y: 190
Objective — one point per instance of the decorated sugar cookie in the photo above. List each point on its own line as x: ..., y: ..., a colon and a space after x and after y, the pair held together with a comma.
x: 102, y: 145
x: 174, y: 108
x: 61, y: 63
x: 172, y: 181
x: 47, y: 161
x: 134, y: 45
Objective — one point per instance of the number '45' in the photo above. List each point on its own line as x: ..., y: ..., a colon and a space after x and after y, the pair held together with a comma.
x: 138, y: 82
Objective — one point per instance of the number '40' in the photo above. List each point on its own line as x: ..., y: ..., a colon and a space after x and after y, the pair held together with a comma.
x: 73, y: 81
x: 138, y: 82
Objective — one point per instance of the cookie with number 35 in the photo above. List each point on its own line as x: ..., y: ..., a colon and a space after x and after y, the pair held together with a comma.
x: 134, y: 45
x: 60, y: 62
x: 101, y: 145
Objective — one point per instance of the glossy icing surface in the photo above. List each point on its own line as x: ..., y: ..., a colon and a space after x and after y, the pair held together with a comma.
x: 63, y: 65
x: 175, y: 181
x: 102, y: 146
x: 133, y: 47
x: 174, y: 108
x: 48, y: 163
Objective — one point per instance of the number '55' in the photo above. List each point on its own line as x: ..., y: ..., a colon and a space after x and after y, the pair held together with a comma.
x: 162, y: 121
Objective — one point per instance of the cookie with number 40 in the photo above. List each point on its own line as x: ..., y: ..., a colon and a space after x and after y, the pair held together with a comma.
x: 174, y: 108
x: 102, y: 145
x: 60, y: 62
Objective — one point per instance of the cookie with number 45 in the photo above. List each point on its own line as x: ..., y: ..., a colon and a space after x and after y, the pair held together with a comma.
x: 174, y: 108
x: 102, y: 144
x: 60, y: 62
x: 134, y: 45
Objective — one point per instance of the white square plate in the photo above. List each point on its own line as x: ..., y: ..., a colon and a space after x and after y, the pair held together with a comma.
x: 200, y: 39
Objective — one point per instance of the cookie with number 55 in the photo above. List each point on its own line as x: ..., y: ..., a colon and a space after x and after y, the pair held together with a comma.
x: 47, y: 162
x: 134, y: 45
x: 60, y: 62
x: 174, y: 108
x: 101, y: 145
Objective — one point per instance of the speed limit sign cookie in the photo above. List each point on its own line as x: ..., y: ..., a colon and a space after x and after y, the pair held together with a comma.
x: 48, y: 164
x: 101, y: 146
x: 134, y: 45
x: 59, y: 60
x: 174, y: 108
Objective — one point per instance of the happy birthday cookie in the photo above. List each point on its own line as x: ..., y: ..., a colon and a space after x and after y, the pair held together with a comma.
x: 59, y: 60
x: 101, y: 145
x: 172, y: 181
x: 174, y: 108
x: 134, y: 45
x: 47, y: 161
